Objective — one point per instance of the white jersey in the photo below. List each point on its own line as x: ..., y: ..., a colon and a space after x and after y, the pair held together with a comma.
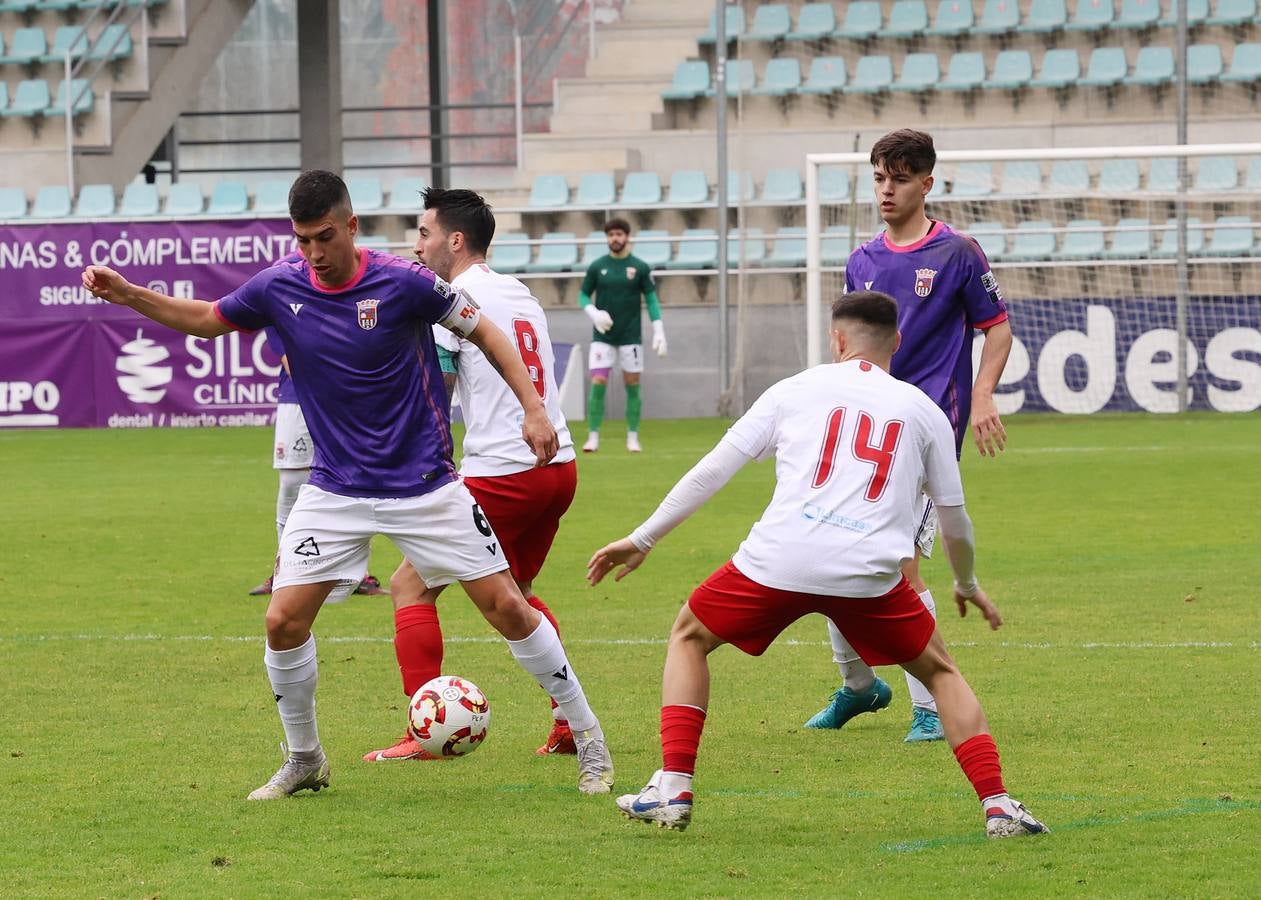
x: 854, y: 451
x: 492, y: 415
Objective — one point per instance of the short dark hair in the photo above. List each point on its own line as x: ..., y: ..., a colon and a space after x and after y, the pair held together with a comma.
x: 617, y: 224
x: 315, y: 193
x: 464, y: 211
x: 875, y: 309
x: 905, y: 150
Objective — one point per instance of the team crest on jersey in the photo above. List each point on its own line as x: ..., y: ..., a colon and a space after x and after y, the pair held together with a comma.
x: 367, y: 314
x: 630, y: 274
x: 924, y: 281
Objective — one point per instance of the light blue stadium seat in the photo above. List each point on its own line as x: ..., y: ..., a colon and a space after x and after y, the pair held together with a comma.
x: 1106, y: 68
x: 18, y: 6
x: 549, y: 191
x: 954, y: 17
x: 114, y: 42
x: 96, y: 201
x: 229, y: 198
x: 1138, y: 14
x: 771, y: 22
x: 272, y: 196
x: 185, y: 199
x: 141, y: 199
x: 509, y: 254
x: 1197, y: 12
x: 1131, y: 240
x: 919, y: 73
x: 30, y: 99
x: 788, y: 248
x: 834, y: 184
x: 596, y: 189
x: 1061, y: 68
x: 80, y: 94
x: 653, y: 247
x: 1232, y: 236
x: 1091, y: 15
x: 696, y: 254
x: 4, y: 95
x: 862, y: 20
x: 907, y: 19
x: 688, y: 186
x: 966, y: 72
x: 872, y: 75
x: 1021, y: 179
x: 1119, y: 176
x: 999, y: 17
x: 827, y: 75
x: 1253, y: 178
x: 366, y: 193
x: 991, y: 238
x: 28, y: 45
x: 557, y: 253
x: 1169, y: 238
x: 70, y: 39
x: 740, y: 187
x: 691, y: 80
x: 1233, y: 12
x: 747, y: 247
x: 815, y: 22
x: 783, y: 186
x: 1045, y: 16
x: 740, y: 78
x: 1069, y: 176
x: 735, y: 25
x: 835, y: 245
x: 405, y: 195
x: 1154, y: 66
x: 1204, y: 63
x: 1083, y: 241
x: 1162, y: 175
x: 1028, y: 245
x: 1245, y: 64
x: 51, y: 202
x: 781, y: 78
x: 975, y: 179
x: 373, y: 241
x: 593, y: 246
x: 12, y: 203
x: 641, y: 189
x: 1013, y: 69
x: 1215, y: 174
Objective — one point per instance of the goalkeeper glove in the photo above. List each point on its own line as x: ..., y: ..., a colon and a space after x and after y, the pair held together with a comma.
x: 659, y: 337
x: 599, y: 318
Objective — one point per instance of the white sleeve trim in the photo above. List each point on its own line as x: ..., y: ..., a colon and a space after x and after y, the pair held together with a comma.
x: 704, y: 480
x: 957, y: 535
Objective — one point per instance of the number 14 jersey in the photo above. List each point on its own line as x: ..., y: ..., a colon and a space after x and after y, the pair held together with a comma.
x: 854, y: 449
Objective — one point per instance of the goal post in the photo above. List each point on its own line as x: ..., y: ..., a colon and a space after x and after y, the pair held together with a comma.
x: 1132, y: 273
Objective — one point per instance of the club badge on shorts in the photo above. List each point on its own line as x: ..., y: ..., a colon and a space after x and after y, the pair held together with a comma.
x: 368, y: 313
x: 924, y: 281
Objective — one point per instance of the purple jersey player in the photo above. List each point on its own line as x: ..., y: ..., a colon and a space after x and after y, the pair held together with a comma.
x: 945, y: 293
x: 356, y: 326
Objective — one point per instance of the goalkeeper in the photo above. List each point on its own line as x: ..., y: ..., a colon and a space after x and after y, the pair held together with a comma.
x: 610, y: 296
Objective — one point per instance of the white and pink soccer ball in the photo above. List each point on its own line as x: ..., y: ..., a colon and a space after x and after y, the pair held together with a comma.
x: 449, y: 716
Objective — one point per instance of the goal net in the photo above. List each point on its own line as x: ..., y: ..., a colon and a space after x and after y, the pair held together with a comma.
x: 1128, y: 271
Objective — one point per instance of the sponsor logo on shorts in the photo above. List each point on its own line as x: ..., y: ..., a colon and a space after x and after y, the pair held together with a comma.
x: 280, y: 451
x: 301, y: 445
x: 307, y: 548
x: 368, y: 313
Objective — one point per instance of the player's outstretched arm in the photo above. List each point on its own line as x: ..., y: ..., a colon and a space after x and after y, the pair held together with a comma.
x: 195, y: 317
x: 956, y: 533
x: 537, y: 428
x: 987, y: 427
x: 622, y: 553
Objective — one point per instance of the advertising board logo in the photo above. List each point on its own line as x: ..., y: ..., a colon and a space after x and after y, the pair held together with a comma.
x: 142, y: 379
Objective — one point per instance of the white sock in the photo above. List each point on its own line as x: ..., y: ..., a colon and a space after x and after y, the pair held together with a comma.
x: 293, y: 675
x: 920, y: 697
x: 291, y: 481
x: 857, y: 675
x: 674, y: 783
x: 1002, y: 801
x: 542, y: 655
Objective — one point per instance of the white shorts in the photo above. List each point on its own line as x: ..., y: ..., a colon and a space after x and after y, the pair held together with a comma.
x: 926, y: 531
x: 294, y: 447
x: 602, y: 356
x: 443, y: 534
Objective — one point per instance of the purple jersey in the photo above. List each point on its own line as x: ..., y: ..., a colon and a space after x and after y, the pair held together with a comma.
x: 945, y: 290
x: 365, y: 369
x: 285, y: 392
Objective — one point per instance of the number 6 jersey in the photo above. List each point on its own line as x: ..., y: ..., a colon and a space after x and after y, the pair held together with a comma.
x: 854, y: 449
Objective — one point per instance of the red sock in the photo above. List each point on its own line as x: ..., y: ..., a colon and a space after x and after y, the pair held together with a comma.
x: 978, y: 757
x: 681, y: 728
x: 538, y: 604
x: 418, y: 645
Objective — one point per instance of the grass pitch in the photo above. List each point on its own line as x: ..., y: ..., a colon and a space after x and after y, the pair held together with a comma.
x: 1122, y: 690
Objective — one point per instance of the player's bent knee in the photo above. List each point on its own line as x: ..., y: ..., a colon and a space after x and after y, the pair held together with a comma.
x: 689, y: 630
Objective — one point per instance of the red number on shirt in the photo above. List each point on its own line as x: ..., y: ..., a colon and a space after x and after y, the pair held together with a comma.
x: 528, y: 347
x: 878, y: 455
x: 827, y: 453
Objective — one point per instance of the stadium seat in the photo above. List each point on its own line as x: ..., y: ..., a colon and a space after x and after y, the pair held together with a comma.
x: 229, y: 198
x: 999, y: 17
x: 1204, y: 63
x: 641, y: 189
x: 781, y: 78
x: 1154, y: 66
x: 80, y: 94
x: 691, y: 80
x: 366, y: 193
x: 1084, y: 240
x: 1060, y: 69
x: 1069, y: 176
x: 592, y: 247
x: 771, y: 22
x: 783, y: 186
x: 30, y: 99
x: 833, y: 184
x: 141, y: 200
x: 509, y: 253
x: 954, y: 18
x: 96, y: 201
x: 788, y: 248
x: 1032, y: 241
x: 1169, y: 238
x: 739, y: 187
x: 67, y: 39
x: 1131, y: 240
x: 185, y: 199
x: 1162, y: 175
x: 114, y: 42
x: 18, y: 6
x: 1020, y: 179
x: 405, y: 195
x: 1013, y: 69
x: 373, y: 241
x: 1233, y: 13
x: 51, y: 202
x: 815, y: 22
x: 747, y: 247
x: 835, y: 246
x: 1106, y: 68
x: 938, y: 188
x: 735, y: 26
x: 991, y: 238
x: 596, y: 189
x: 740, y: 78
x: 27, y: 46
x: 872, y: 75
x: 1253, y: 178
x: 272, y: 196
x: 919, y: 73
x: 1197, y: 12
x: 688, y: 186
x: 653, y: 247
x: 4, y: 95
x: 1091, y: 15
x: 827, y: 75
x: 907, y: 19
x: 1119, y: 176
x: 12, y: 203
x: 966, y: 72
x: 1245, y: 64
x: 1216, y: 174
x: 696, y: 254
x: 1138, y: 14
x: 549, y: 191
x: 1232, y: 236
x: 975, y: 179
x: 862, y: 20
x: 1045, y: 16
x: 557, y: 253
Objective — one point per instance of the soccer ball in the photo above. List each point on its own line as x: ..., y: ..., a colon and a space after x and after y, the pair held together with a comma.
x: 449, y: 716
